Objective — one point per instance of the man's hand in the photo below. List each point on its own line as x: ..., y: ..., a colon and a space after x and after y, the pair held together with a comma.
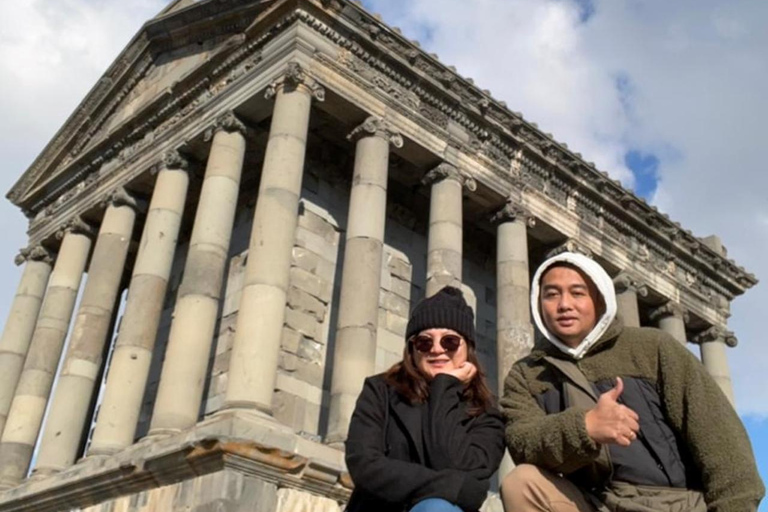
x: 465, y: 372
x: 609, y: 422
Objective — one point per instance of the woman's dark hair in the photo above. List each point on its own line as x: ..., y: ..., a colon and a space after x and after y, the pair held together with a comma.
x: 412, y: 384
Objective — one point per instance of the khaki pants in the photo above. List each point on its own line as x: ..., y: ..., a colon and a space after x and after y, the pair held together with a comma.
x: 529, y: 488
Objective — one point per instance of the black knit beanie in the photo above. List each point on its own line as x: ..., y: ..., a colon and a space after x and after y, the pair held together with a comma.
x: 446, y: 309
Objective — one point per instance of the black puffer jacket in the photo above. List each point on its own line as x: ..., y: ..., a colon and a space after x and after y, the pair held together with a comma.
x: 399, y: 454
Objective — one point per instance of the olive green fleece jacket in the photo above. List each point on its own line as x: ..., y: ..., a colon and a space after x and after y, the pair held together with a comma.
x: 711, y: 435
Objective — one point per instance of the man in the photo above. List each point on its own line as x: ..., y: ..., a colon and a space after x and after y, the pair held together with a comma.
x: 605, y: 417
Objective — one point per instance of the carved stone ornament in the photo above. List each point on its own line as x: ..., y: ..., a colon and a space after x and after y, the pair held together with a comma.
x: 669, y: 309
x: 35, y: 253
x: 230, y: 123
x: 295, y: 76
x: 570, y: 245
x: 174, y: 160
x: 446, y: 171
x: 376, y: 127
x: 716, y: 333
x: 512, y: 212
x: 76, y: 225
x: 624, y: 283
x: 121, y: 197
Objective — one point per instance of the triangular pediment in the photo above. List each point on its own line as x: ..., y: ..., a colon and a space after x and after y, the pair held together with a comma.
x: 171, y: 52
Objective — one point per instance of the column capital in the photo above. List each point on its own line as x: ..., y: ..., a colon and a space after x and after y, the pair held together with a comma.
x: 34, y: 253
x: 512, y: 212
x: 448, y: 171
x: 121, y: 197
x: 570, y: 245
x: 294, y: 77
x: 376, y: 127
x: 669, y: 309
x: 76, y: 225
x: 625, y: 282
x: 172, y: 159
x: 227, y: 122
x: 716, y: 333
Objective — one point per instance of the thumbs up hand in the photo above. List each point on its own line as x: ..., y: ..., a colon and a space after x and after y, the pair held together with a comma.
x: 609, y: 422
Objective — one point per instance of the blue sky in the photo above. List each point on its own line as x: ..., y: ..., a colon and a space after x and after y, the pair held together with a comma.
x: 667, y: 97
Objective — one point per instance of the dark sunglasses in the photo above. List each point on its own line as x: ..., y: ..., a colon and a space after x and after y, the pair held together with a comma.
x: 449, y: 342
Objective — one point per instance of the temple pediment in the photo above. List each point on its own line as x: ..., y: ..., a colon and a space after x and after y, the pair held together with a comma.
x: 171, y: 54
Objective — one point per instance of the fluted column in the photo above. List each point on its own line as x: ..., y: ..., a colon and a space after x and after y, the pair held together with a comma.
x: 82, y: 364
x: 129, y: 368
x: 180, y: 391
x: 712, y: 343
x: 256, y: 347
x: 31, y: 397
x: 355, y: 354
x: 514, y: 331
x: 670, y: 318
x: 627, y: 291
x: 444, y: 241
x: 18, y: 330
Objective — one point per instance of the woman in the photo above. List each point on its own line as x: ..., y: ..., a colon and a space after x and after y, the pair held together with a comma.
x: 425, y: 435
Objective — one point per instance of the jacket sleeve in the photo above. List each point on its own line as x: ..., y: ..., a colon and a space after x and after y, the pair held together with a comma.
x: 557, y: 442
x: 453, y: 440
x: 709, y: 427
x: 398, y: 481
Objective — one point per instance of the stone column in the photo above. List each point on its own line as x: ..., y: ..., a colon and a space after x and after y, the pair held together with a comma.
x: 31, y: 397
x: 713, y: 342
x: 513, y: 288
x: 256, y: 346
x: 444, y: 243
x: 355, y: 353
x: 514, y: 331
x: 627, y: 291
x: 20, y: 325
x: 82, y: 364
x: 671, y: 319
x: 129, y: 368
x: 180, y: 391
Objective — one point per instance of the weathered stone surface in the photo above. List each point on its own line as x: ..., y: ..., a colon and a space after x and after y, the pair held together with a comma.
x: 290, y: 340
x: 303, y: 323
x: 301, y: 300
x: 291, y: 500
x: 311, y: 284
x: 400, y: 268
x: 288, y: 362
x: 394, y: 303
x: 311, y: 351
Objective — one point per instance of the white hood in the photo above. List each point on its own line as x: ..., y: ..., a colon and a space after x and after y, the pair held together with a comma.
x: 604, y: 285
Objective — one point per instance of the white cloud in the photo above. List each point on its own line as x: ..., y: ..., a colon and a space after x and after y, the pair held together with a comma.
x: 695, y: 72
x: 695, y: 77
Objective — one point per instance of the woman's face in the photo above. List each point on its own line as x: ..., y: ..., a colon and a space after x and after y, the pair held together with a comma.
x: 433, y: 358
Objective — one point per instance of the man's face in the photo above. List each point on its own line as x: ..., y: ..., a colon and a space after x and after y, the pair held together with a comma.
x: 568, y: 304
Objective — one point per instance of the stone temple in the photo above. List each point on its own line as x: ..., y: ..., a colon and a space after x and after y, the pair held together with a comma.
x: 249, y: 201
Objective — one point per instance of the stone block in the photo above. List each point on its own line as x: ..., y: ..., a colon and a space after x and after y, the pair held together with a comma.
x: 301, y: 300
x: 399, y: 268
x: 303, y: 323
x: 388, y: 340
x: 287, y: 361
x: 289, y: 409
x: 311, y: 373
x: 290, y: 384
x: 311, y: 351
x: 234, y: 285
x: 305, y: 259
x: 400, y: 288
x: 311, y: 284
x: 317, y: 244
x: 292, y: 500
x: 290, y: 340
x: 319, y: 226
x: 395, y: 323
x: 256, y: 496
x: 221, y: 363
x: 394, y: 303
x: 214, y: 403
